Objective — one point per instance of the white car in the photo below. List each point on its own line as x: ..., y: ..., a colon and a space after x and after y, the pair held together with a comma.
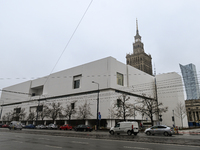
x: 125, y: 127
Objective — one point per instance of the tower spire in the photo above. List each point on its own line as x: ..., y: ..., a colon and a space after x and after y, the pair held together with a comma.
x: 137, y: 36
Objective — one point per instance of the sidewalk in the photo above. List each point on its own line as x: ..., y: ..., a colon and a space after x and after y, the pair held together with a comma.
x: 190, y: 131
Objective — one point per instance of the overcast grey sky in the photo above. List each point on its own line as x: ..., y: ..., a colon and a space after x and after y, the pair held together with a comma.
x: 34, y: 33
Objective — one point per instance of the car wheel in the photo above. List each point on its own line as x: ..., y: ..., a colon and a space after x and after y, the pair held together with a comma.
x: 166, y: 133
x: 118, y: 133
x: 60, y: 129
x: 135, y: 134
x: 129, y: 132
x: 148, y: 133
x: 112, y: 132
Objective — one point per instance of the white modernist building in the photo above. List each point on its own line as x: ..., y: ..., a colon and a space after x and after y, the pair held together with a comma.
x: 80, y: 85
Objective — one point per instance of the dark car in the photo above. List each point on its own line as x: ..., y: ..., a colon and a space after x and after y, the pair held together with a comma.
x: 160, y: 129
x: 30, y: 126
x: 66, y: 127
x: 83, y: 127
x: 1, y: 125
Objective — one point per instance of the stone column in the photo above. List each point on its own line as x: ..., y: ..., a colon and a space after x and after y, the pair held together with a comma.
x: 86, y: 122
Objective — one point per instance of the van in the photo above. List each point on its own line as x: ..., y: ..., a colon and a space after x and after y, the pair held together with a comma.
x: 15, y: 125
x: 125, y: 127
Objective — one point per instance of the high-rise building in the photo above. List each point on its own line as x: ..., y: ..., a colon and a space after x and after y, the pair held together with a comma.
x: 190, y: 81
x: 139, y: 59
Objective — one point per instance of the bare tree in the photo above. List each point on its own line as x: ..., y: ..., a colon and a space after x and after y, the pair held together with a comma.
x: 55, y: 110
x: 10, y: 115
x: 31, y: 116
x: 22, y: 114
x: 70, y: 110
x: 84, y: 111
x: 111, y: 114
x: 123, y: 108
x: 180, y: 111
x: 44, y: 113
x: 149, y: 107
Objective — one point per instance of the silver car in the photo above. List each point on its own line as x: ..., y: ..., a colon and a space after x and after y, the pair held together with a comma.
x: 160, y: 129
x: 52, y: 126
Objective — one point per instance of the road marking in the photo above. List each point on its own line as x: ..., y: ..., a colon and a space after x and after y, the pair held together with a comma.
x: 53, y: 146
x: 43, y: 139
x: 18, y: 141
x: 137, y: 148
x: 80, y: 142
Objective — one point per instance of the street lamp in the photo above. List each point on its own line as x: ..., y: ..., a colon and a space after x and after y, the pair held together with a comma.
x: 97, y: 104
x: 1, y: 109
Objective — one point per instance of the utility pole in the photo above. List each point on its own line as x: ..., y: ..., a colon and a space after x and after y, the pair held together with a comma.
x: 173, y: 119
x: 156, y: 95
x: 97, y: 105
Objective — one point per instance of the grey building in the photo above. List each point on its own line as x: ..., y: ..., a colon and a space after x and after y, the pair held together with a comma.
x: 191, y: 81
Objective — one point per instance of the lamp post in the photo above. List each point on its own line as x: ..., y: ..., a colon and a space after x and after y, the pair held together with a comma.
x: 97, y: 105
x: 1, y: 109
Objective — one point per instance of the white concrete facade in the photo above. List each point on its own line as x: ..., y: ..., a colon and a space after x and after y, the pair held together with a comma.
x: 59, y: 87
x: 170, y: 92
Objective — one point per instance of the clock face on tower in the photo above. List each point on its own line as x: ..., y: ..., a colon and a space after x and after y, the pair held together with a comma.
x: 137, y: 40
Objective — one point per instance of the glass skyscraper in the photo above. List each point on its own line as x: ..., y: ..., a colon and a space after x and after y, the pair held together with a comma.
x: 190, y: 81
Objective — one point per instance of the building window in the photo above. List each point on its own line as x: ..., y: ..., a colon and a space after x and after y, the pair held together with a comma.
x: 190, y: 116
x: 119, y: 102
x: 36, y: 91
x: 76, y: 81
x: 17, y: 110
x: 40, y: 108
x: 120, y: 79
x: 197, y: 116
x: 72, y: 105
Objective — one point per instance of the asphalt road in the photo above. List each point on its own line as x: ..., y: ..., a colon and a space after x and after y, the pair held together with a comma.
x: 22, y: 141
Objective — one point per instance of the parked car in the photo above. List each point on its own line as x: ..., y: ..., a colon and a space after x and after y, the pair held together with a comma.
x: 41, y: 126
x: 125, y: 127
x: 1, y: 125
x: 23, y: 125
x: 30, y: 126
x: 5, y: 126
x: 15, y: 125
x: 52, y: 126
x: 83, y: 127
x: 160, y: 129
x: 66, y: 127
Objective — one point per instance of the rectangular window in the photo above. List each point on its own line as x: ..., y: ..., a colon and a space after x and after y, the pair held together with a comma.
x: 36, y: 91
x: 120, y: 79
x: 40, y: 108
x: 76, y: 81
x: 72, y: 105
x: 17, y: 110
x: 119, y: 102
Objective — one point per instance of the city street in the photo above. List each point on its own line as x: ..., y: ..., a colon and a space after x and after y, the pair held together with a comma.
x: 56, y: 139
x: 19, y: 141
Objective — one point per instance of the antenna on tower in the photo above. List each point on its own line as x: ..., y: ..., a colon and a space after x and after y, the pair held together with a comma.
x: 136, y: 24
x: 154, y: 70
